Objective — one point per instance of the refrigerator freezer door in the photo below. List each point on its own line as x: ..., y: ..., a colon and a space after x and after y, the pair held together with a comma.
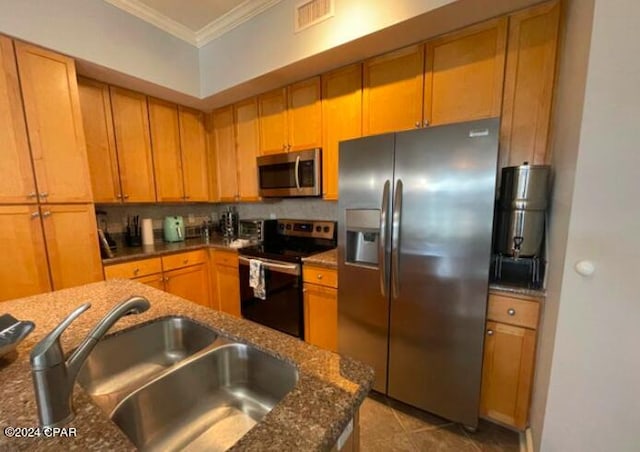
x: 448, y: 175
x: 366, y: 167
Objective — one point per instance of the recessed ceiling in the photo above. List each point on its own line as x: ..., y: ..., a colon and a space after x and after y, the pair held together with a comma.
x: 196, y: 21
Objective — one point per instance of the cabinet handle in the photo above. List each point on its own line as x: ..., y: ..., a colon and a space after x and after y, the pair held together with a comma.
x: 32, y: 195
x: 511, y: 311
x: 166, y: 279
x: 489, y: 332
x: 118, y: 196
x: 425, y: 123
x: 35, y: 214
x: 46, y: 214
x: 319, y: 276
x: 44, y: 194
x: 126, y: 196
x: 418, y: 125
x: 136, y: 271
x: 288, y: 147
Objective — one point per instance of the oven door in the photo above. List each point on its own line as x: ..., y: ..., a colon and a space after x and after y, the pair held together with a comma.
x: 282, y: 309
x: 291, y: 174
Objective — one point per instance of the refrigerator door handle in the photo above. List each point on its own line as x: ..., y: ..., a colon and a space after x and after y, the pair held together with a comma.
x: 382, y: 241
x: 395, y: 240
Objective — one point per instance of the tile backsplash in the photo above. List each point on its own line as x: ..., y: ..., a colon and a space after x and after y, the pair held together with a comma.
x: 304, y: 208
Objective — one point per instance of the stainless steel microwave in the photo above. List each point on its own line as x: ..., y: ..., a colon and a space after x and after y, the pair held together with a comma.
x: 290, y: 174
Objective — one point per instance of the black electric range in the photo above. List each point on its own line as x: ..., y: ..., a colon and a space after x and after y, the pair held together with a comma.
x: 280, y: 258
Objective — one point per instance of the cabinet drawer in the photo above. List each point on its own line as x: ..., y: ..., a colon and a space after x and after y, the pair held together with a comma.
x: 226, y: 258
x: 513, y: 311
x: 174, y: 261
x: 133, y: 269
x: 320, y: 275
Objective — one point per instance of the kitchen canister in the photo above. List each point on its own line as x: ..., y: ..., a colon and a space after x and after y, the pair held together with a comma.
x: 147, y: 231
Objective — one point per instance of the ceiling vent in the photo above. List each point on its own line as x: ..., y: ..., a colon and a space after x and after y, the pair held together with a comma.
x: 311, y: 12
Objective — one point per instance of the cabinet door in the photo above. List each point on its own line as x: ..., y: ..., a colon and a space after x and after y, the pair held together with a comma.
x: 392, y: 93
x: 507, y: 373
x: 194, y: 155
x: 131, y: 124
x: 16, y: 174
x: 464, y: 72
x: 528, y: 85
x: 273, y: 121
x: 101, y: 145
x: 191, y: 283
x: 224, y: 149
x: 341, y: 120
x: 165, y: 142
x: 72, y: 244
x: 321, y: 316
x: 156, y: 281
x: 54, y: 121
x: 227, y: 286
x: 23, y: 261
x: 304, y: 115
x: 246, y: 122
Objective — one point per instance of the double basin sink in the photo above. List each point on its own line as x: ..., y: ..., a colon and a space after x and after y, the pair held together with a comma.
x: 174, y: 384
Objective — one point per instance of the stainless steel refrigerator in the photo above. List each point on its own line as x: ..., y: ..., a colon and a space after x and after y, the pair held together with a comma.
x: 414, y: 248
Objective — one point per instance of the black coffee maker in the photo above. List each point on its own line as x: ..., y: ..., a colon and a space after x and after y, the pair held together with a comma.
x: 520, y: 226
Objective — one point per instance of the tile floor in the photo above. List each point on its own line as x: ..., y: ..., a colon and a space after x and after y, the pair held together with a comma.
x: 387, y: 425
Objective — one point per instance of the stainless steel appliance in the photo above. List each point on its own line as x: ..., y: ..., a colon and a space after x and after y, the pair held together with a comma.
x: 414, y: 247
x: 256, y: 230
x: 524, y: 194
x: 229, y: 223
x: 281, y: 256
x: 290, y: 174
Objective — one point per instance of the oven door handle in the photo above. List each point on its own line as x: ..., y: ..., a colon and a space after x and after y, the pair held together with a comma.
x: 270, y: 265
x: 297, y: 172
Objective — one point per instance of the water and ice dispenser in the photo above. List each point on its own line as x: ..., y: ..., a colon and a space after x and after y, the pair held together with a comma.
x: 363, y: 235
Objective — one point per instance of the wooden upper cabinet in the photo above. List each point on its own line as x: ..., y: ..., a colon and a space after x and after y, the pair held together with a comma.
x: 17, y: 184
x: 165, y: 142
x: 195, y: 168
x: 54, y: 121
x: 23, y: 261
x: 304, y: 115
x: 72, y: 244
x: 528, y: 85
x: 392, y: 91
x: 223, y: 148
x: 101, y: 145
x: 131, y: 124
x: 464, y: 73
x: 246, y: 123
x: 341, y: 120
x: 272, y: 107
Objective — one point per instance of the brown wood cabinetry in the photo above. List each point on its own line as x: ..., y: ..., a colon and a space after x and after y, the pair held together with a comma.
x: 509, y: 355
x: 165, y: 143
x: 95, y: 103
x: 321, y: 306
x: 291, y: 117
x: 341, y: 120
x: 133, y: 141
x: 193, y: 144
x: 222, y: 151
x: 246, y: 132
x: 17, y: 184
x: 183, y: 274
x: 528, y: 86
x: 226, y: 281
x: 54, y: 123
x: 464, y: 72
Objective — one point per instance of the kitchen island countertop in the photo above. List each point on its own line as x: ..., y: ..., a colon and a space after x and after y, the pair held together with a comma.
x: 311, y: 417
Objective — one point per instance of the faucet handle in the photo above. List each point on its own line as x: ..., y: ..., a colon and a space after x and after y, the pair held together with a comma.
x: 48, y: 352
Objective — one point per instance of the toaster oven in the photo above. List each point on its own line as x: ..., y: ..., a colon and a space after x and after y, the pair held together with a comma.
x: 256, y: 230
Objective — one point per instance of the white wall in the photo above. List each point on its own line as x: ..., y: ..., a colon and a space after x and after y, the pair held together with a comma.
x: 593, y: 400
x: 100, y: 33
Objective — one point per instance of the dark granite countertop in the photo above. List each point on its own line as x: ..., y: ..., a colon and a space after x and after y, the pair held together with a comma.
x: 311, y: 417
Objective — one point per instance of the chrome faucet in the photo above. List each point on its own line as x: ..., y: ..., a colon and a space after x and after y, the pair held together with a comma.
x: 54, y: 377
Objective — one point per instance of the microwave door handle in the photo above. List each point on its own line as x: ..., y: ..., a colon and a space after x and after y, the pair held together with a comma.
x: 297, y: 174
x: 382, y: 240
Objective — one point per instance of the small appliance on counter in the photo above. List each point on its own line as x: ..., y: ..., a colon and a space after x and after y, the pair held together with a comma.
x: 229, y: 223
x: 109, y: 243
x: 255, y: 230
x: 521, y: 216
x: 174, y: 229
x: 133, y: 232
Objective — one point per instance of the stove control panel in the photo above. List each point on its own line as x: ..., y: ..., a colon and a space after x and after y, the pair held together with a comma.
x: 308, y: 228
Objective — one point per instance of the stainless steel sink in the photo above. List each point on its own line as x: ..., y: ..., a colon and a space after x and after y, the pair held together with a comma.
x: 206, y: 403
x: 120, y: 364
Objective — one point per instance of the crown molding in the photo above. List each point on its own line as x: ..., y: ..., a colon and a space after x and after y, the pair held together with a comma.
x: 238, y: 15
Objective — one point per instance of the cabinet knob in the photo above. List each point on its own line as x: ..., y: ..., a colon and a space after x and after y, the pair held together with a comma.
x: 319, y: 276
x: 288, y: 147
x: 425, y: 123
x: 418, y: 125
x: 511, y: 311
x: 32, y: 195
x: 284, y: 147
x: 126, y: 196
x: 44, y: 194
x: 118, y: 196
x: 166, y: 279
x: 184, y: 261
x: 136, y: 271
x: 35, y: 214
x: 489, y: 332
x: 46, y: 213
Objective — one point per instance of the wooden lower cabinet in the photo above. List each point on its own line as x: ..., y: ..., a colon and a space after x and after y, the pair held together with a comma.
x: 156, y: 281
x: 226, y: 282
x: 321, y: 307
x: 509, y: 356
x: 190, y: 282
